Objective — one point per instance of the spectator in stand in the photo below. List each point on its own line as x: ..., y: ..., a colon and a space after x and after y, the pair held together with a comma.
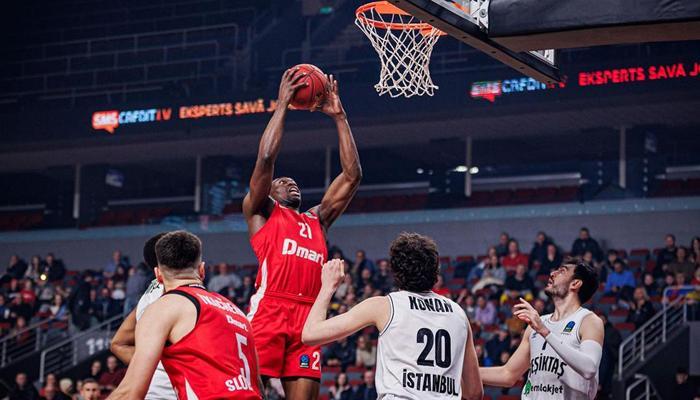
x: 682, y: 264
x: 45, y: 293
x: 341, y: 390
x: 138, y: 281
x: 551, y: 262
x: 611, y: 346
x: 694, y: 282
x: 499, y: 343
x: 650, y: 285
x: 483, y: 361
x: 19, y: 308
x: 16, y: 268
x: 364, y: 279
x: 366, y: 354
x: 466, y: 300
x: 620, y: 282
x: 695, y: 250
x: 224, y: 279
x: 54, y: 269
x: 106, y: 305
x: 90, y: 390
x: 58, y: 309
x: 28, y: 294
x: 51, y: 392
x: 440, y: 288
x: 502, y: 246
x: 665, y: 255
x: 607, y: 265
x: 341, y: 353
x: 22, y: 389
x: 519, y: 285
x: 49, y: 380
x: 367, y: 390
x: 514, y: 257
x: 478, y: 270
x: 539, y: 251
x: 95, y: 371
x: 586, y: 242
x: 485, y: 313
x: 114, y: 374
x: 362, y: 263
x: 682, y: 389
x: 79, y: 303
x: 245, y: 292
x: 66, y: 387
x: 641, y: 309
x: 4, y: 309
x: 18, y: 330
x: 345, y: 287
x: 384, y: 279
x: 116, y: 261
x: 34, y: 269
x: 494, y: 275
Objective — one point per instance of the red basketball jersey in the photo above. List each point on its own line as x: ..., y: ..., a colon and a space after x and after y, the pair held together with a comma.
x: 216, y: 360
x: 291, y: 249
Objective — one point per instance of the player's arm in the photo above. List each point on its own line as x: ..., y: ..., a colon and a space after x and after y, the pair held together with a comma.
x: 123, y: 341
x: 318, y: 330
x: 343, y: 188
x: 257, y: 200
x: 585, y: 360
x: 472, y: 388
x: 152, y: 331
x: 509, y: 374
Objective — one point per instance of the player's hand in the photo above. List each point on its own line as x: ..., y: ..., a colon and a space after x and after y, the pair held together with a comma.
x: 332, y: 274
x: 525, y: 312
x: 289, y: 85
x: 332, y: 106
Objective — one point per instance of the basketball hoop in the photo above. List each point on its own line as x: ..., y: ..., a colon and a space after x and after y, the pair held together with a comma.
x: 404, y: 45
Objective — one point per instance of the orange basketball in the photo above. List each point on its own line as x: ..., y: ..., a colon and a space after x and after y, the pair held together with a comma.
x: 314, y: 93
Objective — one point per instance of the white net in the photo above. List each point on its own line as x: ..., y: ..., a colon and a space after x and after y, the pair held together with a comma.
x: 404, y: 45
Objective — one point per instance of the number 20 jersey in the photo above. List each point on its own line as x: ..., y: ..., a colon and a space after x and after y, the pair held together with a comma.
x: 421, y: 350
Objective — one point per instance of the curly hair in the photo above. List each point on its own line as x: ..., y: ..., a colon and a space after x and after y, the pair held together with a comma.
x: 414, y: 261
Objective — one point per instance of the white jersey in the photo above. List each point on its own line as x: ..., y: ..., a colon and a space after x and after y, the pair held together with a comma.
x: 550, y: 377
x: 421, y: 350
x: 160, y: 387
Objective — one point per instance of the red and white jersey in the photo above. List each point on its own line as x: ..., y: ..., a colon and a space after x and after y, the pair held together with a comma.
x: 291, y: 249
x: 216, y: 360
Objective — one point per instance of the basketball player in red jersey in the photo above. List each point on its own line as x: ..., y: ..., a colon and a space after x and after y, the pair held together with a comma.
x: 203, y: 340
x: 291, y: 247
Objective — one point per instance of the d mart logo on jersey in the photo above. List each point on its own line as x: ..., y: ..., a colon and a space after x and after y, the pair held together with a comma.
x: 111, y: 120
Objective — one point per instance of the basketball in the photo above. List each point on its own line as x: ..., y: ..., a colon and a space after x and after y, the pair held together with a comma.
x: 314, y: 93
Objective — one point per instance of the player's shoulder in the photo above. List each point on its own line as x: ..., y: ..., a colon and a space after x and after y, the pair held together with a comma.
x: 592, y: 320
x: 150, y: 296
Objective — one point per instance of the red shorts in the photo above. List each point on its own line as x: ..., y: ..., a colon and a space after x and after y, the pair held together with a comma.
x: 277, y: 325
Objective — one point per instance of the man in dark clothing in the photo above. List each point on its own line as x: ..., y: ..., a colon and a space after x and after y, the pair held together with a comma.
x: 23, y: 389
x: 498, y: 344
x: 611, y: 346
x: 367, y: 390
x: 502, y: 246
x: 15, y: 268
x: 341, y: 353
x: 666, y: 256
x: 539, y: 250
x: 682, y: 390
x: 79, y: 302
x: 586, y: 242
x: 54, y: 268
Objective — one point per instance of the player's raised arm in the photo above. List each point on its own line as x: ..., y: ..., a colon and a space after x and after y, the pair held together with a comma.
x: 257, y: 200
x: 151, y: 333
x: 123, y: 341
x: 318, y: 330
x: 344, y: 186
x: 472, y: 388
x: 515, y: 367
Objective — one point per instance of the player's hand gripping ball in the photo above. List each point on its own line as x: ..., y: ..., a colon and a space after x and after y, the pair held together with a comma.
x: 332, y: 274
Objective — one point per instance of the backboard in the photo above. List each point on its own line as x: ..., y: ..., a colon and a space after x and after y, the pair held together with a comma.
x: 467, y: 21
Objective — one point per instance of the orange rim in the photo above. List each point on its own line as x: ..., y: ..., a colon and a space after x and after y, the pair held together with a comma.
x: 384, y: 7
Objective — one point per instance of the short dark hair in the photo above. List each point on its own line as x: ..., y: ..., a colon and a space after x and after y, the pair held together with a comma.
x: 584, y: 229
x: 149, y: 250
x: 588, y: 276
x: 414, y: 261
x: 89, y: 380
x: 179, y: 250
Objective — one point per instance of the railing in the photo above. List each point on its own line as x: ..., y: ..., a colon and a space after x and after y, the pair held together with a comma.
x: 638, y: 392
x: 637, y: 347
x: 30, y: 339
x: 68, y: 353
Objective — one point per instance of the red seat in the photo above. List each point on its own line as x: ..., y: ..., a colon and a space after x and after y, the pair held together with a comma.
x: 625, y: 326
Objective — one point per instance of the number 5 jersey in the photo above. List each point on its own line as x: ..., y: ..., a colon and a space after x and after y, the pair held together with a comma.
x: 216, y: 360
x: 421, y: 350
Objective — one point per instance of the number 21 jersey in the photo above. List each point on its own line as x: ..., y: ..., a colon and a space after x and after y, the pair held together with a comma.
x: 421, y: 350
